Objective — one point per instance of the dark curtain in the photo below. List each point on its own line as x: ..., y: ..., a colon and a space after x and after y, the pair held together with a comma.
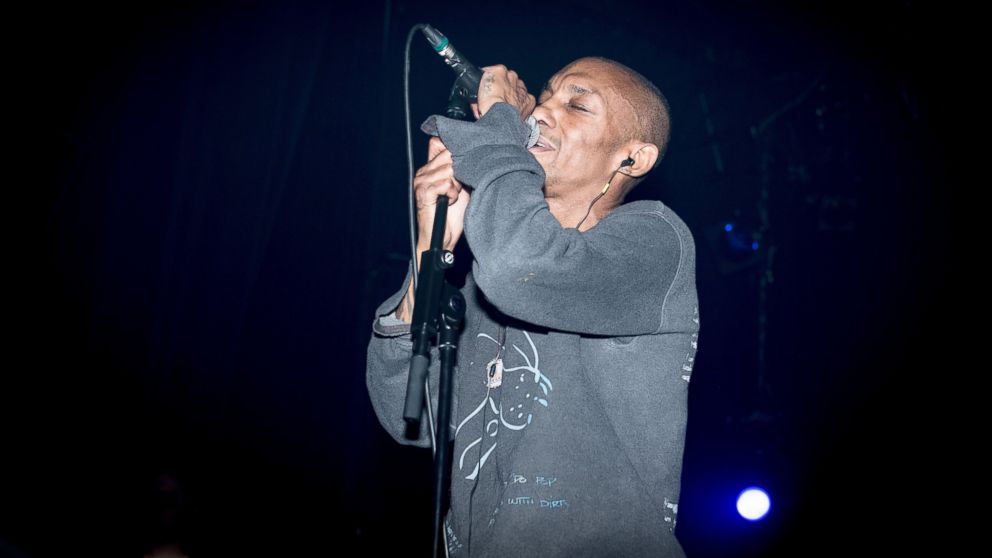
x: 217, y: 204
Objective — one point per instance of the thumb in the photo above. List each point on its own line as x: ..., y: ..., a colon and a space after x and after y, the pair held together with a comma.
x: 434, y: 147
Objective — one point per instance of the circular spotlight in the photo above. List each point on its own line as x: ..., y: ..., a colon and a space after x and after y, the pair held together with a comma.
x: 753, y: 504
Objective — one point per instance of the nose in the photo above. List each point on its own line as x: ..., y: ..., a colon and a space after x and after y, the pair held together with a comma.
x: 543, y: 115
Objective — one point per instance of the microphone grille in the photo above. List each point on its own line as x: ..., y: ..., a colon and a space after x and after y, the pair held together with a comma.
x: 535, y: 132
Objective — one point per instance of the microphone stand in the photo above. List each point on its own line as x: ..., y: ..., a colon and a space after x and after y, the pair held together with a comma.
x: 438, y: 311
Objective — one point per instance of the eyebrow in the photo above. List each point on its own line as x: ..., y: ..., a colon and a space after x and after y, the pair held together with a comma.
x: 577, y: 89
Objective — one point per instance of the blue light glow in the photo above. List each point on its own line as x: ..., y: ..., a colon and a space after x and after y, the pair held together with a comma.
x: 728, y: 227
x: 754, y: 245
x: 753, y: 503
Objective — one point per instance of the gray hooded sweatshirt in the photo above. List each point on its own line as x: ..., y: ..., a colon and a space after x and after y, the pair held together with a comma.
x: 578, y: 449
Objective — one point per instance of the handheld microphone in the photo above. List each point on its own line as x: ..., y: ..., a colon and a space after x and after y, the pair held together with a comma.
x: 469, y: 77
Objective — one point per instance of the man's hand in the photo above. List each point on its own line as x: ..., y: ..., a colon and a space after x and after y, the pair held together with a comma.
x: 437, y: 178
x: 501, y: 85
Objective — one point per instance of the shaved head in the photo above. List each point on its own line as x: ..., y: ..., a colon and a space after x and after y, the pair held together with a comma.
x: 593, y: 114
x: 645, y: 111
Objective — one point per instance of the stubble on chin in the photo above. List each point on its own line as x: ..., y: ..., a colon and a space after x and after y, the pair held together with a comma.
x: 550, y: 187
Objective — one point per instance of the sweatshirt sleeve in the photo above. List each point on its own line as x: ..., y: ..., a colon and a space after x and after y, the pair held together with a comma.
x: 388, y: 367
x: 610, y: 280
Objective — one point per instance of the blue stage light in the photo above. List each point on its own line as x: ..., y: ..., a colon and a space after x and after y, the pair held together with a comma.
x: 737, y: 245
x: 753, y: 503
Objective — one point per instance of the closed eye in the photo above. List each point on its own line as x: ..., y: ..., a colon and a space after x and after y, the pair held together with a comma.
x: 580, y: 107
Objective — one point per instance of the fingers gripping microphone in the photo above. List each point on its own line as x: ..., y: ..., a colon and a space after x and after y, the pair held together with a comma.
x: 467, y: 82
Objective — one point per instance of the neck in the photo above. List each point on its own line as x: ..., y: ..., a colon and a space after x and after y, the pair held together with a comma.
x: 569, y: 210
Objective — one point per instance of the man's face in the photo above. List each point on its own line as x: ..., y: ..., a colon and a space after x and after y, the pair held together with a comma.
x: 578, y: 115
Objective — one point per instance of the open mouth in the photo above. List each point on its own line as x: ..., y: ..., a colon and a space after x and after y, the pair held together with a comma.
x: 541, y: 146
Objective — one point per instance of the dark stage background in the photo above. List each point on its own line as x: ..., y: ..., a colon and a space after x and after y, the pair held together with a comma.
x: 217, y: 204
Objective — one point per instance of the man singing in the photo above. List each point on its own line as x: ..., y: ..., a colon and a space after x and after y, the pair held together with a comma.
x: 572, y: 378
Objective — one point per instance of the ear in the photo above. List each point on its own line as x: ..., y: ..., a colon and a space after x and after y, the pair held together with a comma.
x: 644, y: 156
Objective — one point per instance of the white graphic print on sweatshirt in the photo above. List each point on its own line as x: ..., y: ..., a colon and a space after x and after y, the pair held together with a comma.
x: 513, y: 418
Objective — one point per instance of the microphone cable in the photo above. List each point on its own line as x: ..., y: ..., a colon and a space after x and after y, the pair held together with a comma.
x: 413, y: 236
